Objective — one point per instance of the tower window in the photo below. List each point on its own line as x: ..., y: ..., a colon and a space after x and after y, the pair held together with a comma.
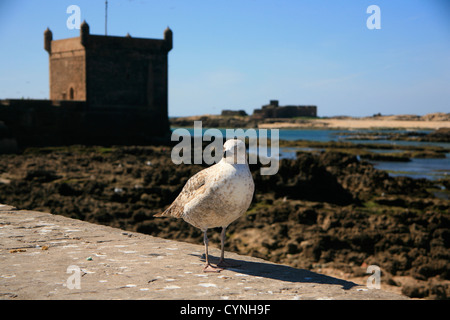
x: 71, y: 94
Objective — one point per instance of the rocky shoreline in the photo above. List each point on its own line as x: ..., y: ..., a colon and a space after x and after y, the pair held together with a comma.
x: 439, y: 135
x: 327, y: 212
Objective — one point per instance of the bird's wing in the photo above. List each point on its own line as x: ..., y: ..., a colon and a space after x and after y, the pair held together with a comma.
x: 193, y: 187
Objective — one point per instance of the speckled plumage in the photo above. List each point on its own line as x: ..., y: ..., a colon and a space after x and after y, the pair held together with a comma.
x: 214, y: 197
x: 218, y: 195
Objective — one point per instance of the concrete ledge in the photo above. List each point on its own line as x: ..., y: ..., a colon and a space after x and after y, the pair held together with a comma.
x: 42, y: 256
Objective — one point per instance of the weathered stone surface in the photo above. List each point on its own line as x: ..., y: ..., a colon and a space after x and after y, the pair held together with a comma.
x: 38, y: 249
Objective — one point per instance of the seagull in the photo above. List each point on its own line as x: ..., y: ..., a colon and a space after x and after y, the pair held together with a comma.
x: 216, y: 196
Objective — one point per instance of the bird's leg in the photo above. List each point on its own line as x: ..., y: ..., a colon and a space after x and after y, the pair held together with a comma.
x: 222, y: 262
x: 222, y: 244
x: 208, y: 267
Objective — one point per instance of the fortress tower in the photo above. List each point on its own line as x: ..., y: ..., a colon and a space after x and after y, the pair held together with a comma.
x: 104, y: 90
x: 108, y: 71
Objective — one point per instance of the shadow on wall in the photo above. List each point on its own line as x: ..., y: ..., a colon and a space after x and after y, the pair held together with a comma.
x: 281, y: 272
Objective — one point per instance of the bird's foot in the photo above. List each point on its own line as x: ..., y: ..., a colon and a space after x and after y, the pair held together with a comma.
x: 210, y: 268
x: 226, y: 264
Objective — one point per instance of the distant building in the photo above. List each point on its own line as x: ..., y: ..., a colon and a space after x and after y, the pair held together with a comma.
x: 273, y: 110
x: 103, y: 90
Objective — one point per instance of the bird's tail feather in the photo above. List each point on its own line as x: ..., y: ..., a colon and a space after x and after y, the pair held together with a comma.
x: 172, y: 211
x: 165, y: 213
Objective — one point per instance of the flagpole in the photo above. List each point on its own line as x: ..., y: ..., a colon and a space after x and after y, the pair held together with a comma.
x: 106, y: 17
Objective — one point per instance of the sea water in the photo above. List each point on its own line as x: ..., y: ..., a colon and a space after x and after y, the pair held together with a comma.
x: 431, y: 169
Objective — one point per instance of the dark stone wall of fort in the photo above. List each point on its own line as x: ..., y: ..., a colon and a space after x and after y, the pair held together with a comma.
x: 53, y: 123
x: 294, y: 111
x: 284, y: 112
x: 126, y: 71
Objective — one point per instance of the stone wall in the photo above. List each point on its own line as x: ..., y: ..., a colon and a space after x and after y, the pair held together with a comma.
x: 51, y: 123
x: 67, y: 67
x: 234, y: 113
x: 52, y: 257
x: 272, y: 110
x: 126, y: 71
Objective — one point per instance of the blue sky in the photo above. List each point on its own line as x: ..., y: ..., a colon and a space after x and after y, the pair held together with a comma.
x: 239, y: 54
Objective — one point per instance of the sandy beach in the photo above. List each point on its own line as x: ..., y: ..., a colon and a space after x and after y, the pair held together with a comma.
x: 432, y: 121
x: 359, y: 124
